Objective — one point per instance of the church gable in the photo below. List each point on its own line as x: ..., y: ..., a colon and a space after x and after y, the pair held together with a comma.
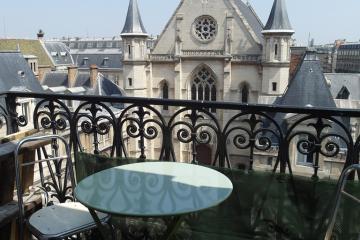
x: 224, y: 26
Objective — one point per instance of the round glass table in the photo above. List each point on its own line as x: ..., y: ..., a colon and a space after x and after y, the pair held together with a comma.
x: 153, y: 189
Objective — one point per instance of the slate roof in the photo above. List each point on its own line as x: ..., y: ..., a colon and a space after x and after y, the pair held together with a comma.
x: 27, y: 47
x: 349, y: 80
x: 83, y: 80
x: 103, y: 61
x: 278, y: 19
x: 59, y: 53
x: 308, y: 86
x: 251, y: 17
x: 55, y: 79
x: 133, y: 24
x: 15, y: 73
x: 105, y: 87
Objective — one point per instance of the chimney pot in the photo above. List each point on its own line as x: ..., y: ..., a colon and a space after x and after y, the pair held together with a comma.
x: 40, y: 34
x: 72, y: 74
x: 93, y: 75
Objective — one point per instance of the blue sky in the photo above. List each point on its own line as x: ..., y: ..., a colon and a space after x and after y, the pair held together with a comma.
x: 325, y: 20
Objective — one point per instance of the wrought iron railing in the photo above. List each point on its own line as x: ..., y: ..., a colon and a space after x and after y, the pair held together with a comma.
x: 233, y: 135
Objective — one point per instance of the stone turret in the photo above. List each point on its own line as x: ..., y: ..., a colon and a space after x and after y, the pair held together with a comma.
x: 134, y: 38
x: 276, y: 52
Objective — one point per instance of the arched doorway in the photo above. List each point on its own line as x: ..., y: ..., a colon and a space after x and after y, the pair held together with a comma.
x: 203, y: 155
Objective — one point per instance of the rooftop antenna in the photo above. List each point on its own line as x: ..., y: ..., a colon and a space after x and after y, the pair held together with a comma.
x: 309, y: 39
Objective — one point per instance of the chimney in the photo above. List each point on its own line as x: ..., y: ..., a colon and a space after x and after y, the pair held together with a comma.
x: 72, y: 74
x: 40, y: 35
x: 93, y: 75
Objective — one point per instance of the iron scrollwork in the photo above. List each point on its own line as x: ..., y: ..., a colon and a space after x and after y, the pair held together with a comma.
x: 249, y: 131
x: 142, y: 123
x: 196, y: 127
x: 94, y: 119
x: 323, y: 136
x: 52, y: 115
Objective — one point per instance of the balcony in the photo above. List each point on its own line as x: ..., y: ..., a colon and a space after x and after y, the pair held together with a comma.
x: 284, y: 162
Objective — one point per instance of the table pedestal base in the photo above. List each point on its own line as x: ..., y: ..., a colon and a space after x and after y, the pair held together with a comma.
x: 108, y: 233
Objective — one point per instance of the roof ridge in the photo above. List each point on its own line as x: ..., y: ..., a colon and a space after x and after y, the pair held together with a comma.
x: 244, y: 20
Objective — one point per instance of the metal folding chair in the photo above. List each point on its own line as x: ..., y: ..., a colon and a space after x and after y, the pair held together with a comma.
x: 341, y: 191
x: 62, y: 217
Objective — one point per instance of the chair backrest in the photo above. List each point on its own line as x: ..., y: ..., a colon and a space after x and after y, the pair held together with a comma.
x: 55, y: 170
x: 340, y: 192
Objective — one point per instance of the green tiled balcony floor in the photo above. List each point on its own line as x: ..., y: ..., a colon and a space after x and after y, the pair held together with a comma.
x: 265, y: 206
x: 268, y: 206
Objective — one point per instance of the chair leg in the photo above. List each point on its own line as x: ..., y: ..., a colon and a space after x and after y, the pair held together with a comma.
x: 102, y: 229
x: 112, y: 230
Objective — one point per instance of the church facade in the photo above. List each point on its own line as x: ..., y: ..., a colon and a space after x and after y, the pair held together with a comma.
x: 209, y: 50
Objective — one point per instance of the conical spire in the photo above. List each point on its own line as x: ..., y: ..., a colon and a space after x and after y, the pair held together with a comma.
x: 278, y: 20
x: 133, y: 25
x: 309, y: 86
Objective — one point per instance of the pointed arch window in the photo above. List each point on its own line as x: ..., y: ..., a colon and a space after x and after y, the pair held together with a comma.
x: 165, y: 94
x: 203, y: 87
x: 245, y: 93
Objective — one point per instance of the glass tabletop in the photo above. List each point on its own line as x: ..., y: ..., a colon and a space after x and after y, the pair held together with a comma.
x: 154, y: 189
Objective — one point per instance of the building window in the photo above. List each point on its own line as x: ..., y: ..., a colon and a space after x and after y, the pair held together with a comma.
x: 274, y: 86
x: 85, y: 61
x: 165, y: 94
x: 105, y: 61
x: 205, y: 28
x: 69, y: 103
x: 129, y: 49
x: 25, y: 110
x: 245, y: 93
x: 306, y: 159
x: 276, y: 49
x: 130, y: 82
x: 203, y: 87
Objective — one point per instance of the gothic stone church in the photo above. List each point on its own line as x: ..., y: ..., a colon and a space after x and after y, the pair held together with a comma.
x: 215, y: 50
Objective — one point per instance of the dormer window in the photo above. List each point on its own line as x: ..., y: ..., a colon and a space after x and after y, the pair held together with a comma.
x: 85, y: 61
x: 105, y: 61
x: 343, y: 94
x: 63, y: 54
x: 54, y: 54
x: 21, y: 74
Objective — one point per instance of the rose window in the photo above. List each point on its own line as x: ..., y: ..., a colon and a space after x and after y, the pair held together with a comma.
x: 205, y: 28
